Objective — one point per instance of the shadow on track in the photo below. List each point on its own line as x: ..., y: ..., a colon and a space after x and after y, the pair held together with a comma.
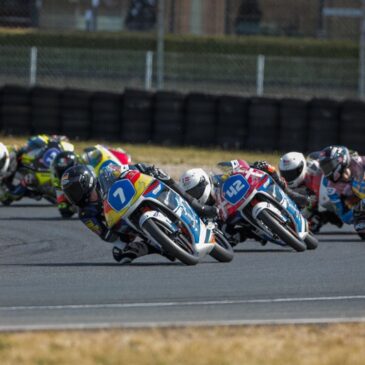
x: 336, y: 233
x: 28, y: 206
x: 343, y: 240
x: 282, y: 250
x: 98, y: 264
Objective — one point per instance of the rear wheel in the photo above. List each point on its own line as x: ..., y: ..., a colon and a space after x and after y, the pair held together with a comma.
x: 311, y: 242
x: 174, y: 244
x: 222, y: 251
x: 282, y: 231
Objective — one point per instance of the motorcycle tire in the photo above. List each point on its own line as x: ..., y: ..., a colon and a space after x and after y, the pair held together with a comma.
x: 311, y: 242
x: 176, y: 246
x: 281, y: 231
x: 222, y: 251
x: 7, y: 202
x: 66, y: 213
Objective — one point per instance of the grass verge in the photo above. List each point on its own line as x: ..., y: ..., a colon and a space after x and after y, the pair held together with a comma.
x: 338, y: 344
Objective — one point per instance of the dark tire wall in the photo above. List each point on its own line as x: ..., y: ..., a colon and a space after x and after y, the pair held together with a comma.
x: 176, y: 119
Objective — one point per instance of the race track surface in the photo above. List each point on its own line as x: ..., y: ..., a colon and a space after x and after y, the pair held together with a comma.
x: 54, y: 273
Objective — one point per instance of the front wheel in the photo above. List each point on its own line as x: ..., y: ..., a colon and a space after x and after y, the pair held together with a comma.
x: 311, y: 242
x: 174, y: 244
x: 282, y: 231
x: 222, y: 251
x: 7, y: 202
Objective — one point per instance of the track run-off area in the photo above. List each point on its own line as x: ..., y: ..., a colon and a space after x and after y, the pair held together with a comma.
x: 55, y: 274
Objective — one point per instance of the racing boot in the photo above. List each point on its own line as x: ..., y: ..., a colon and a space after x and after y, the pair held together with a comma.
x: 359, y: 219
x: 126, y: 253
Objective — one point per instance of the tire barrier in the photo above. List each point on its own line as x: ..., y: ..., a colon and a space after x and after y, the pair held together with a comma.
x: 45, y: 105
x: 293, y: 125
x: 106, y: 116
x: 352, y: 125
x: 200, y: 120
x: 323, y: 123
x: 76, y: 113
x: 137, y: 116
x: 168, y: 123
x: 15, y: 110
x: 172, y: 118
x: 263, y: 124
x: 232, y: 121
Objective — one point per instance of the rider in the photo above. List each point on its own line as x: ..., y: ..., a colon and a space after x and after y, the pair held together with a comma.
x: 200, y: 185
x: 13, y: 178
x: 344, y: 174
x: 304, y: 176
x: 96, y: 156
x: 83, y: 189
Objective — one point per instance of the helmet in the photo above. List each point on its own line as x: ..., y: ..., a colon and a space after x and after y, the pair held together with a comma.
x: 77, y: 183
x: 333, y: 160
x: 62, y: 162
x: 4, y: 159
x: 293, y: 168
x: 197, y: 183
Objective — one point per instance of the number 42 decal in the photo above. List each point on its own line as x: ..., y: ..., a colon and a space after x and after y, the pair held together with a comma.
x: 235, y: 188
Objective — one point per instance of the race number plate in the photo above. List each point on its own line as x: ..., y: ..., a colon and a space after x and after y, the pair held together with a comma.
x: 235, y: 188
x: 120, y: 194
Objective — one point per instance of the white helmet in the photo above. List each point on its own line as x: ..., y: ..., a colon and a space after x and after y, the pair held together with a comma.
x: 293, y: 167
x: 197, y: 183
x: 4, y: 159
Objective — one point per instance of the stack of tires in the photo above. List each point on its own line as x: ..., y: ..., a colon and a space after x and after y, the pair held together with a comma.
x: 168, y: 124
x: 15, y: 110
x: 293, y: 125
x: 263, y: 124
x: 137, y: 116
x: 76, y: 113
x: 106, y: 114
x: 352, y: 125
x: 232, y: 121
x: 45, y: 104
x: 323, y: 123
x: 200, y: 120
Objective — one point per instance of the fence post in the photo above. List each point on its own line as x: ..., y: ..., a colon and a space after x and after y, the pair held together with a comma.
x: 260, y: 75
x: 149, y: 70
x: 33, y: 66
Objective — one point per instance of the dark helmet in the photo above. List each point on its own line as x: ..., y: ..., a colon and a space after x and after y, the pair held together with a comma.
x: 333, y: 160
x: 63, y: 161
x: 77, y: 183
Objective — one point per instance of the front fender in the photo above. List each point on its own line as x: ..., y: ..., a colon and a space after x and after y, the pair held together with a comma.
x: 157, y: 216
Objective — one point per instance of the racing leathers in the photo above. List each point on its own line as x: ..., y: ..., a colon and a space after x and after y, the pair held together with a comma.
x: 11, y: 188
x: 130, y: 246
x: 348, y: 195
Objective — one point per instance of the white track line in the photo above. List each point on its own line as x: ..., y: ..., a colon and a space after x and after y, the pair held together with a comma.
x: 181, y: 304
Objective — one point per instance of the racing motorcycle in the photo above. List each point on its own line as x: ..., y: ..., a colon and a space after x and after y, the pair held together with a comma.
x: 35, y: 169
x: 138, y: 203
x: 253, y: 205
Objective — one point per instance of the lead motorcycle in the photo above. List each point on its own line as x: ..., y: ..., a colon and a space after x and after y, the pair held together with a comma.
x: 252, y: 205
x: 138, y: 203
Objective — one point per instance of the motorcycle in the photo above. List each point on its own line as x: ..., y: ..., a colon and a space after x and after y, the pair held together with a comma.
x: 34, y: 167
x: 144, y: 205
x: 253, y: 205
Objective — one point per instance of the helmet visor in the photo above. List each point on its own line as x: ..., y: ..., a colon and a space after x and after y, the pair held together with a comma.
x: 328, y: 166
x: 3, y: 161
x: 291, y: 175
x: 198, y: 190
x: 74, y: 193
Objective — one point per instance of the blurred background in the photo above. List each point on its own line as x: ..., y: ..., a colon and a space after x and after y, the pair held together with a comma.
x: 300, y: 48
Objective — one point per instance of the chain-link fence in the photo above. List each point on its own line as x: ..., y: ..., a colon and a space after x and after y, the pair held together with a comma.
x: 217, y: 71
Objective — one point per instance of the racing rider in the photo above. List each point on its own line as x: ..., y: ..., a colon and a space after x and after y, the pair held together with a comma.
x: 83, y: 189
x: 345, y: 184
x: 304, y: 176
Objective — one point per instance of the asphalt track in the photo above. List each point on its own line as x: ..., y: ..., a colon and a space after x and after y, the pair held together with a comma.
x: 54, y: 273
